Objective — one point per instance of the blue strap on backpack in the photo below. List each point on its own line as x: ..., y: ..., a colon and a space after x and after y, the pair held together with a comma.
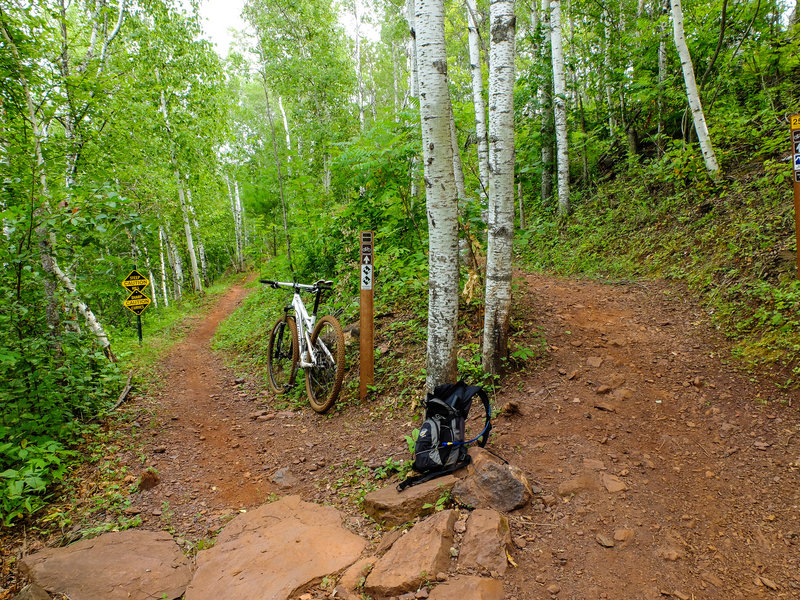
x: 440, y: 448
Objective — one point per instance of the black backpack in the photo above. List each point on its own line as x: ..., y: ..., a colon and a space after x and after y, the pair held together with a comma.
x: 441, y: 448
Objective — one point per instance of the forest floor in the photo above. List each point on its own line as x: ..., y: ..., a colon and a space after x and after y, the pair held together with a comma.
x: 633, y: 383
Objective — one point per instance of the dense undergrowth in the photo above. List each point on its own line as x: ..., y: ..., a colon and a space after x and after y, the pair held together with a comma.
x: 732, y: 241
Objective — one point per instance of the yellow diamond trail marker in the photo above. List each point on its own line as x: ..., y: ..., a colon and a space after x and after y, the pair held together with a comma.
x: 135, y: 282
x: 137, y: 302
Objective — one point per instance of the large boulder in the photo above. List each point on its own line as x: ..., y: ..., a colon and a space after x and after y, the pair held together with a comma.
x: 391, y: 507
x: 485, y: 542
x: 490, y: 484
x: 127, y: 565
x: 468, y: 588
x: 415, y: 558
x: 273, y: 550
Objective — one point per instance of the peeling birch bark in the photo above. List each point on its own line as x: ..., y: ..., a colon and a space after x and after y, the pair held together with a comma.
x: 442, y: 201
x: 501, y: 184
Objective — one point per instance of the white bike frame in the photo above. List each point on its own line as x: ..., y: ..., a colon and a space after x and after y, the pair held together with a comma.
x: 305, y: 326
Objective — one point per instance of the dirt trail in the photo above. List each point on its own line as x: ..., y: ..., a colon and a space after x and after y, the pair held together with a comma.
x: 662, y: 472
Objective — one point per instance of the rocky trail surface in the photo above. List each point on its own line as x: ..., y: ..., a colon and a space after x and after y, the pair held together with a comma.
x: 658, y: 469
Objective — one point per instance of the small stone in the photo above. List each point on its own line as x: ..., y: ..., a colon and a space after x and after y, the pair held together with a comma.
x: 613, y: 483
x: 159, y: 449
x: 624, y: 535
x: 769, y: 583
x: 520, y: 542
x: 553, y: 589
x: 572, y: 375
x: 594, y: 361
x: 540, y: 578
x: 149, y: 480
x: 712, y: 579
x: 460, y: 527
x: 441, y: 576
x: 423, y: 593
x: 604, y: 540
x: 549, y: 500
x: 603, y: 389
x: 31, y: 592
x: 239, y: 380
x: 306, y: 597
x: 605, y: 406
x: 680, y: 595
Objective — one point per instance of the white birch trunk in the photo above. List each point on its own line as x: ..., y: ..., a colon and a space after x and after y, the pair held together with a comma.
x: 200, y: 245
x: 288, y: 137
x: 395, y: 83
x: 153, y: 281
x: 560, y: 107
x: 163, y: 267
x: 239, y: 225
x: 691, y: 90
x: 546, y: 102
x: 359, y: 74
x: 501, y: 184
x: 187, y: 229
x: 477, y: 96
x: 442, y: 201
x: 413, y: 86
x: 662, y: 76
x: 458, y: 171
x: 236, y: 224
x: 176, y: 263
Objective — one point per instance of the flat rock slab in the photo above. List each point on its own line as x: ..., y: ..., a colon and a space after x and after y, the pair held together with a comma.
x: 485, y: 542
x: 468, y: 588
x: 268, y: 553
x: 128, y: 565
x: 391, y: 507
x: 414, y: 558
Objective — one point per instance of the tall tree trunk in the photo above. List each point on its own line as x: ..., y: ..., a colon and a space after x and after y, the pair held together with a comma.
x: 395, y: 83
x: 153, y: 281
x: 240, y: 237
x: 442, y: 201
x: 692, y: 94
x: 176, y: 263
x: 547, y: 130
x: 200, y: 246
x: 288, y: 137
x: 413, y: 86
x: 501, y: 184
x: 458, y: 171
x: 165, y: 295
x: 560, y: 108
x: 359, y: 74
x: 476, y: 73
x: 662, y: 76
x: 198, y: 286
x: 237, y: 244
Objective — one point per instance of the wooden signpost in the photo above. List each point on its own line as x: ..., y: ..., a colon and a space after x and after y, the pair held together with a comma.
x: 136, y: 302
x: 366, y: 345
x: 795, y: 134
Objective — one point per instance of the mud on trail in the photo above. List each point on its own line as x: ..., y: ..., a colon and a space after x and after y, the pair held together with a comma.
x: 660, y: 471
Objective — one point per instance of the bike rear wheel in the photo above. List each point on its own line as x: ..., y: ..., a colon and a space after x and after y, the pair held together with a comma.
x: 324, y: 380
x: 283, y: 354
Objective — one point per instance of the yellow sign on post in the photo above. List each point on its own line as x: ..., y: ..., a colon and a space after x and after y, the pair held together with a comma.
x: 135, y: 281
x: 136, y: 302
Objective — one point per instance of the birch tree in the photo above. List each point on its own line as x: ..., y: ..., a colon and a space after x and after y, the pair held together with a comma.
x: 476, y: 73
x: 501, y: 184
x: 442, y: 204
x: 560, y: 106
x: 693, y: 95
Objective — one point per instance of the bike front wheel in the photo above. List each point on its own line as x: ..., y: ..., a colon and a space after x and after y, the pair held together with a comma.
x: 324, y: 379
x: 283, y: 354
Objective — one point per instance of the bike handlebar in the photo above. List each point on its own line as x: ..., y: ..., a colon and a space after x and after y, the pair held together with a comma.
x: 322, y: 284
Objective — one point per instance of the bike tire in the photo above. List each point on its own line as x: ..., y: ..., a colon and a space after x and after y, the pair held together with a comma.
x: 283, y: 355
x: 324, y: 382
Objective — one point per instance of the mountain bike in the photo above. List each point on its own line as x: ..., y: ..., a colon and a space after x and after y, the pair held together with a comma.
x: 299, y: 340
